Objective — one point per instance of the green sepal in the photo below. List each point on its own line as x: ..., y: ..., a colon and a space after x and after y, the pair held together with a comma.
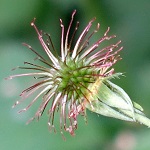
x: 105, y: 110
x: 112, y: 101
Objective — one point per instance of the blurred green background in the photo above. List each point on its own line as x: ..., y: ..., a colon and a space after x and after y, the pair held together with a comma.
x: 129, y: 20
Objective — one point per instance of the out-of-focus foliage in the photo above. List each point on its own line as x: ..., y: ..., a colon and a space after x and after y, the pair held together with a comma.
x: 128, y: 19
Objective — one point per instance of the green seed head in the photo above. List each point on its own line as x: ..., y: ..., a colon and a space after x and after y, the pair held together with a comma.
x: 75, y: 77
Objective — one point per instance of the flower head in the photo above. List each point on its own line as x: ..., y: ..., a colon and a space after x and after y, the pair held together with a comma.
x: 78, y: 79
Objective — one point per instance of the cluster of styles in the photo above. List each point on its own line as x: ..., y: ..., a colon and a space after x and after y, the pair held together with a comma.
x: 78, y: 79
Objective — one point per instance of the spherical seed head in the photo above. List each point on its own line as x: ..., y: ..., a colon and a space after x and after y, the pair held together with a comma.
x: 74, y: 77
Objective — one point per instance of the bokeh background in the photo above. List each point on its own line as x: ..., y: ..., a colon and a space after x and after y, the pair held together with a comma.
x: 129, y: 20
